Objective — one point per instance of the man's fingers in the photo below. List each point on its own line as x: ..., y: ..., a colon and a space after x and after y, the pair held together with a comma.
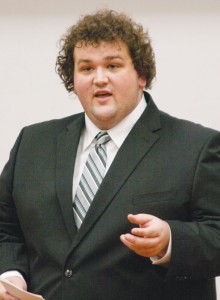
x: 138, y: 241
x: 149, y: 249
x: 145, y: 232
x: 140, y: 219
x: 150, y: 238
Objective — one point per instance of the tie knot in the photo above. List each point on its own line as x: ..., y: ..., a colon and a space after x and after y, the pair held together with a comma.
x: 102, y: 137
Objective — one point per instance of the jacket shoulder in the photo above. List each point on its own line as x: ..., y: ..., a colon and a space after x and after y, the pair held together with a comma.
x: 185, y: 127
x: 54, y: 125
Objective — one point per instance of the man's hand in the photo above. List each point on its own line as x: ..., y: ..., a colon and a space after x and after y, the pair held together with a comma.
x: 19, y: 282
x: 150, y: 239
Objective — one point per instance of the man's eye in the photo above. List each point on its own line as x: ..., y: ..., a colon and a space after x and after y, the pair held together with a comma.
x: 112, y: 66
x: 87, y: 69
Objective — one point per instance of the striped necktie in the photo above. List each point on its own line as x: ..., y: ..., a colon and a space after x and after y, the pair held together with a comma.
x: 92, y: 176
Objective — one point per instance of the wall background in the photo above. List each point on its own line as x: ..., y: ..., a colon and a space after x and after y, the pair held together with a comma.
x: 186, y: 40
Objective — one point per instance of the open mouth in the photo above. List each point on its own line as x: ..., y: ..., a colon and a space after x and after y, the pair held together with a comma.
x: 104, y: 95
x: 101, y: 94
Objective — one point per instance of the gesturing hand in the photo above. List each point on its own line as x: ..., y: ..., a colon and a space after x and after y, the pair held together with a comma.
x: 150, y: 239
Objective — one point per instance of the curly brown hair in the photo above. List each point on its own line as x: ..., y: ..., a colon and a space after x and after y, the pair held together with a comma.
x: 108, y: 26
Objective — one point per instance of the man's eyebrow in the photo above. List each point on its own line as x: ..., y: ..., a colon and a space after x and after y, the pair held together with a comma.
x: 81, y: 60
x: 111, y: 57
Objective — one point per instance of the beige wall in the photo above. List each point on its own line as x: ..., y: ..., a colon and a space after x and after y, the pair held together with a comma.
x: 186, y: 38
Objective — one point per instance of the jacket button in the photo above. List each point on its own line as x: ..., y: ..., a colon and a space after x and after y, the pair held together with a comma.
x: 68, y: 273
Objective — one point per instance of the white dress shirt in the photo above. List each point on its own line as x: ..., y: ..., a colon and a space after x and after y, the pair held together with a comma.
x: 118, y: 134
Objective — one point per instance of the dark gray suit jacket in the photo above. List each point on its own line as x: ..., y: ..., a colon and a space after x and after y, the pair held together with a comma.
x: 166, y: 167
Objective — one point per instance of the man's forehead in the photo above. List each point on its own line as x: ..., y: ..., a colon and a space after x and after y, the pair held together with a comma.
x: 90, y: 43
x: 110, y: 48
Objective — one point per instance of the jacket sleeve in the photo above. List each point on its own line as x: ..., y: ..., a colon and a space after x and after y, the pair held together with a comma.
x: 196, y: 244
x: 12, y: 246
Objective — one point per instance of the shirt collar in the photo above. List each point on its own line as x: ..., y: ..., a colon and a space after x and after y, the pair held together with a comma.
x: 118, y: 133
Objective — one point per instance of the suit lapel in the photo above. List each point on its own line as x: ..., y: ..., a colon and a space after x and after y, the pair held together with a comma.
x: 67, y: 144
x: 140, y: 140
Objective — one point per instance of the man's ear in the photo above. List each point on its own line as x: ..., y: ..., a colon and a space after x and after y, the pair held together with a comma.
x: 142, y: 82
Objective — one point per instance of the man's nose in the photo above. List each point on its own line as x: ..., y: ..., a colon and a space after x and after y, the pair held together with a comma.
x: 100, y: 77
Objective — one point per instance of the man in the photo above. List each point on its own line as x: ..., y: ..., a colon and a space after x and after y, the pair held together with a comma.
x: 150, y: 229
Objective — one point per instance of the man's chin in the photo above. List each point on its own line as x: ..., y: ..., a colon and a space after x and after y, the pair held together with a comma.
x: 104, y: 118
x: 104, y: 113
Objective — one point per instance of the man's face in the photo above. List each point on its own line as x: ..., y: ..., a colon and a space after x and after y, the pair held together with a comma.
x: 106, y: 82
